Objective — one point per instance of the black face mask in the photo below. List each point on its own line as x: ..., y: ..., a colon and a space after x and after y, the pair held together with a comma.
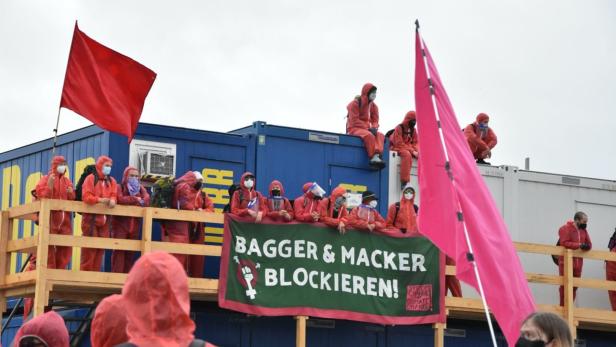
x: 198, y: 185
x: 411, y: 124
x: 275, y: 192
x: 582, y: 226
x: 523, y: 342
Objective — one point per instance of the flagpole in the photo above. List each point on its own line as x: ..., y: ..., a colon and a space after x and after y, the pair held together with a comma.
x: 55, y: 134
x: 470, y: 257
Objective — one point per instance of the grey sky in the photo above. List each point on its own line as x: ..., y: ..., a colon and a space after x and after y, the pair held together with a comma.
x: 545, y: 71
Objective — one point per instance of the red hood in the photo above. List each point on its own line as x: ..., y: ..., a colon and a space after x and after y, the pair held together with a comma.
x: 338, y: 191
x: 102, y: 160
x: 482, y: 117
x: 157, y: 302
x: 244, y: 175
x: 276, y: 183
x: 125, y: 174
x: 410, y: 115
x: 305, y: 188
x: 188, y: 178
x: 48, y: 327
x: 109, y: 324
x: 365, y: 90
x: 57, y: 160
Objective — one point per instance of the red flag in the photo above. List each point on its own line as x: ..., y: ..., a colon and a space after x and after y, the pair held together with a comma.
x: 453, y: 193
x: 104, y: 86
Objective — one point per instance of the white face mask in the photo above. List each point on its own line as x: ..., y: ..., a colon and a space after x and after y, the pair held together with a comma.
x: 373, y: 203
x: 409, y: 196
x: 249, y: 183
x: 372, y: 96
x: 61, y: 169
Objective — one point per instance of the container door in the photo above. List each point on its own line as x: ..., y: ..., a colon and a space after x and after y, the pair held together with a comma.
x: 355, y: 180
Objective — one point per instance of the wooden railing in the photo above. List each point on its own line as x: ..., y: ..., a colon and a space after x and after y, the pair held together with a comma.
x: 45, y: 284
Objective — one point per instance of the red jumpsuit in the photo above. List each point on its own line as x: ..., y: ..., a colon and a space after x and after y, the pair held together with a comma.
x: 196, y: 262
x: 127, y: 227
x: 157, y: 303
x: 406, y: 217
x: 109, y: 324
x: 363, y: 215
x: 59, y: 256
x: 610, y: 275
x: 327, y: 209
x: 244, y: 197
x: 405, y: 141
x: 571, y: 237
x: 478, y: 141
x: 305, y: 205
x: 363, y: 114
x: 273, y: 205
x: 48, y: 327
x: 96, y: 225
x: 185, y: 197
x: 451, y: 282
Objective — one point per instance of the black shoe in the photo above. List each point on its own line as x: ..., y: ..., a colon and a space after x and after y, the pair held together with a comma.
x: 482, y: 162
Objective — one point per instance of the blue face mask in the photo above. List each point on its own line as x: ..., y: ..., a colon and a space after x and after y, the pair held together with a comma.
x: 483, y: 126
x: 133, y: 186
x: 106, y: 170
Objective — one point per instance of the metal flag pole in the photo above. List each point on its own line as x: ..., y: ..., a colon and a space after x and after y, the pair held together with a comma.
x: 460, y: 216
x: 55, y: 134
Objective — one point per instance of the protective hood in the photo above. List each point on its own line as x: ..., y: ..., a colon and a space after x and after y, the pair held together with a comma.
x: 306, y: 189
x: 482, y: 117
x: 125, y: 175
x: 276, y: 183
x: 48, y: 327
x: 365, y: 90
x: 157, y: 302
x: 109, y: 324
x: 410, y: 115
x: 102, y: 160
x: 246, y: 174
x: 338, y: 191
x: 188, y: 178
x: 55, y: 162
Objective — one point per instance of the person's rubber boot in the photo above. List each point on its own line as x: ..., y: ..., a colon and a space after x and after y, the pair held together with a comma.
x: 482, y: 162
x: 375, y: 160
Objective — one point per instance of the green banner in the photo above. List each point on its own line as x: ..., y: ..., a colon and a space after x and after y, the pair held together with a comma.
x: 312, y: 270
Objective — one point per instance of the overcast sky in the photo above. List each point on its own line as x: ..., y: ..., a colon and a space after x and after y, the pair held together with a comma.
x: 545, y: 71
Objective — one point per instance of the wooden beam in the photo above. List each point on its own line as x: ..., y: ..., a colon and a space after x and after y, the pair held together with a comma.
x: 595, y: 316
x: 95, y: 242
x: 568, y: 292
x: 19, y: 279
x: 4, y: 255
x: 86, y: 276
x: 40, y: 291
x: 300, y: 331
x: 27, y: 210
x: 188, y: 216
x: 597, y: 255
x: 26, y: 245
x: 439, y: 334
x: 594, y: 283
x: 545, y: 279
x: 78, y: 206
x: 526, y: 247
x: 146, y: 231
x: 186, y: 248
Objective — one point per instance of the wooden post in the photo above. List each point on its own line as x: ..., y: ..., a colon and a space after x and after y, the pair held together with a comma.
x: 40, y: 290
x: 568, y: 291
x: 4, y: 257
x: 300, y: 331
x: 146, y: 240
x: 439, y: 334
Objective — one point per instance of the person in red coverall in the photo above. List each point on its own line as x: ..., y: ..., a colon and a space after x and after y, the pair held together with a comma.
x: 610, y: 271
x: 130, y: 192
x: 55, y: 185
x: 109, y: 324
x: 401, y: 215
x: 186, y: 196
x: 481, y: 138
x: 306, y: 207
x: 101, y: 189
x: 247, y: 201
x: 277, y: 206
x: 197, y: 236
x: 405, y: 141
x: 573, y: 235
x: 45, y: 330
x: 333, y: 210
x: 366, y: 216
x: 363, y: 121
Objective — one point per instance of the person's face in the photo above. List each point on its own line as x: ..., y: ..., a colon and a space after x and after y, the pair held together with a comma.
x: 133, y: 173
x: 531, y: 332
x: 484, y: 124
x: 583, y: 220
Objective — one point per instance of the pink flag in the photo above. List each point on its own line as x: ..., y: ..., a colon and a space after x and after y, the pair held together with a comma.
x: 454, y: 190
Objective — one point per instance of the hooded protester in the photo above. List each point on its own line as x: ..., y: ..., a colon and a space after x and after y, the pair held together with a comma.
x: 247, y: 201
x: 401, y: 215
x: 186, y: 196
x: 333, y: 210
x: 157, y: 303
x: 405, y: 141
x: 197, y: 236
x: 56, y: 185
x: 363, y: 121
x: 366, y: 216
x: 45, y: 330
x: 277, y: 206
x: 573, y: 235
x: 610, y: 271
x: 100, y: 189
x: 481, y: 139
x: 306, y: 207
x: 109, y: 324
x: 130, y: 192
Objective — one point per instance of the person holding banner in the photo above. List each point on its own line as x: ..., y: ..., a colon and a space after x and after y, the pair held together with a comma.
x: 277, y: 206
x: 333, y: 211
x: 307, y: 206
x: 366, y: 216
x: 247, y: 201
x: 401, y: 215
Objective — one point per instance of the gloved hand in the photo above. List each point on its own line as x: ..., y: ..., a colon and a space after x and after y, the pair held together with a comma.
x: 373, y: 131
x: 585, y: 246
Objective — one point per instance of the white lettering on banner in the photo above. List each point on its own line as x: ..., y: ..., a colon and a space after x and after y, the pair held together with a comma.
x: 271, y: 248
x: 270, y: 278
x: 240, y: 245
x: 379, y: 259
x: 418, y: 262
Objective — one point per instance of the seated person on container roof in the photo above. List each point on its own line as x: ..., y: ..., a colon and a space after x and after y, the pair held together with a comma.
x: 366, y: 216
x: 481, y: 138
x: 247, y: 201
x: 277, y: 206
x: 405, y: 141
x: 363, y: 121
x: 333, y: 210
x: 306, y: 207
